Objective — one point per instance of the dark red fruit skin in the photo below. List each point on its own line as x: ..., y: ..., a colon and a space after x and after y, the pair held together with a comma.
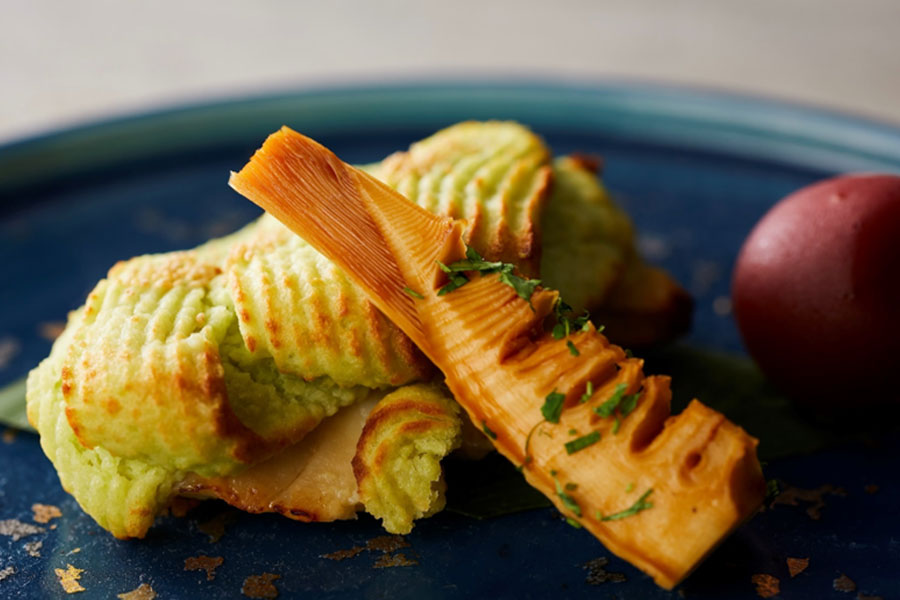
x: 816, y: 292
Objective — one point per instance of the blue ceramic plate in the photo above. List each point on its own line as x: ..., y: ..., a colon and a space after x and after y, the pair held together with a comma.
x: 695, y: 170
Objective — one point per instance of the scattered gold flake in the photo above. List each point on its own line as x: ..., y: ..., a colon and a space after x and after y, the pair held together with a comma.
x: 6, y: 572
x: 343, y: 554
x: 816, y: 498
x: 68, y: 579
x: 872, y: 488
x: 387, y: 543
x: 180, y: 507
x: 204, y: 563
x: 50, y: 330
x: 215, y: 527
x: 844, y: 584
x: 75, y: 551
x: 34, y: 549
x: 141, y: 592
x: 44, y: 513
x: 53, y: 526
x: 394, y: 560
x: 797, y: 565
x: 16, y: 529
x: 767, y: 586
x: 598, y: 574
x: 260, y: 586
x: 9, y: 435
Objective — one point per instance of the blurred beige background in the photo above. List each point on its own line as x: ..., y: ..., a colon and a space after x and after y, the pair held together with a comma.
x: 64, y: 62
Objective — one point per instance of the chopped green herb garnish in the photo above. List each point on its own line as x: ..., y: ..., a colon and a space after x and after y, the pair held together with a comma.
x: 772, y: 489
x: 572, y: 349
x: 559, y: 332
x: 609, y: 407
x: 457, y: 280
x: 567, y: 500
x: 629, y: 488
x: 474, y: 262
x: 565, y: 324
x: 582, y: 442
x: 524, y: 287
x: 618, y: 405
x: 528, y: 443
x: 573, y: 431
x: 588, y: 392
x: 628, y: 404
x: 638, y: 506
x: 573, y: 523
x: 413, y: 293
x: 629, y: 353
x: 571, y: 487
x: 487, y: 430
x: 553, y: 405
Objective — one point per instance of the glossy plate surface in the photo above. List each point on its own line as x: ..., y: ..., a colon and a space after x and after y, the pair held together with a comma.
x: 695, y: 170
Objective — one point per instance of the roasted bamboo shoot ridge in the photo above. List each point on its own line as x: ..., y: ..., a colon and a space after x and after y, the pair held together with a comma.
x: 501, y: 364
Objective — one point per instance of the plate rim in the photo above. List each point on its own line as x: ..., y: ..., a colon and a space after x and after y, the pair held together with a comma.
x: 722, y: 120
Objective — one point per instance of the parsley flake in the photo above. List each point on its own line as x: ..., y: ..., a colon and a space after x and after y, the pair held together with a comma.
x: 572, y: 349
x: 628, y: 404
x: 582, y: 442
x: 474, y: 262
x: 553, y: 405
x: 638, y: 506
x: 487, y: 430
x: 524, y: 287
x: 567, y: 500
x: 772, y: 489
x: 573, y: 523
x: 629, y: 488
x: 609, y: 407
x: 565, y: 324
x: 457, y: 280
x: 528, y: 443
x: 588, y: 392
x: 413, y: 293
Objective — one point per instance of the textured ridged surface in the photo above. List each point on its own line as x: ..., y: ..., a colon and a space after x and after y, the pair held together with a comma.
x: 494, y: 175
x: 153, y: 377
x: 143, y: 377
x: 702, y: 469
x: 397, y: 462
x: 296, y: 306
x: 122, y: 495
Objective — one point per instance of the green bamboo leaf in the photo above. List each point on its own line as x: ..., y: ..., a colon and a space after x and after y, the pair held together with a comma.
x: 12, y: 405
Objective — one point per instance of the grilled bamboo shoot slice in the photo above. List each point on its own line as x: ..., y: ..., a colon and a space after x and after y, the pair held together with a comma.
x: 501, y: 366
